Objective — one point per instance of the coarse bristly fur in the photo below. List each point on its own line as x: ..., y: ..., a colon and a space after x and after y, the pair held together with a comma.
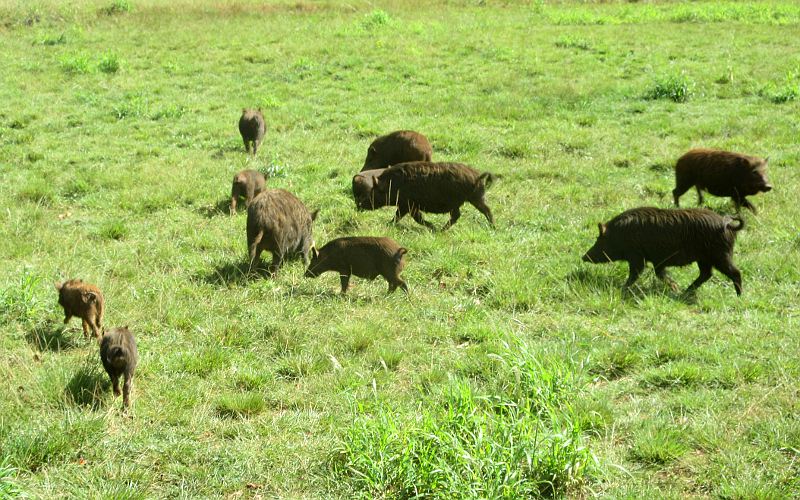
x: 667, y: 238
x: 721, y: 173
x: 278, y: 222
x: 363, y: 256
x: 83, y: 300
x: 247, y: 183
x: 397, y: 147
x: 421, y: 186
x: 252, y: 127
x: 119, y: 357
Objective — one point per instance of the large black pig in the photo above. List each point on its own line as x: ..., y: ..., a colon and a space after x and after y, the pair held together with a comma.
x: 669, y: 238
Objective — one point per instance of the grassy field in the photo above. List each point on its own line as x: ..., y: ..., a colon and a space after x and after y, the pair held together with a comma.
x: 511, y: 369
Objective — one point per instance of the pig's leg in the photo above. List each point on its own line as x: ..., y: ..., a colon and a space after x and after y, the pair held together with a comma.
x: 395, y: 282
x: 635, y: 268
x: 678, y: 192
x: 402, y: 210
x: 454, y: 216
x: 255, y: 147
x: 661, y: 272
x: 705, y: 274
x: 255, y: 255
x: 94, y: 327
x: 699, y: 195
x: 746, y: 204
x: 726, y: 267
x: 246, y: 145
x: 481, y: 205
x: 417, y: 215
x: 85, y: 327
x: 344, y: 280
x: 277, y: 261
x: 126, y: 391
x: 67, y: 317
x: 115, y: 384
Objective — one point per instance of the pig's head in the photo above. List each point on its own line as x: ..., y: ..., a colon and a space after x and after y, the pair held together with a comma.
x: 600, y: 251
x: 757, y: 181
x: 363, y: 187
x: 315, y: 267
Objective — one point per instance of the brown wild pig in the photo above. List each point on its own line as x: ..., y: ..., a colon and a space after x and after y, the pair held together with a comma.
x: 669, y: 238
x: 83, y: 300
x: 422, y: 186
x: 363, y: 182
x: 247, y: 183
x: 277, y: 221
x: 119, y: 356
x: 398, y: 147
x: 721, y: 173
x: 252, y: 128
x: 364, y: 256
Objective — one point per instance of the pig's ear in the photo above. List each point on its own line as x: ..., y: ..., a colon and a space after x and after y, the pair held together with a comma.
x: 58, y: 285
x: 375, y: 181
x: 314, y: 214
x: 314, y: 252
x: 89, y: 297
x: 766, y: 160
x: 602, y: 228
x: 358, y: 179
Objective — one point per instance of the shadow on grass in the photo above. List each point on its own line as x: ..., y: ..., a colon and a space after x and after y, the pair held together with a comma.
x: 86, y: 388
x: 52, y: 337
x: 234, y: 273
x: 598, y: 281
x: 221, y: 208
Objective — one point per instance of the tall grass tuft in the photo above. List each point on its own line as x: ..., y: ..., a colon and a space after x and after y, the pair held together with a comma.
x: 676, y: 87
x: 109, y: 63
x: 8, y: 488
x: 18, y: 301
x: 520, y: 442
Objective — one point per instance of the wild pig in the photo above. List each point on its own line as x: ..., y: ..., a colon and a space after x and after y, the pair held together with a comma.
x: 363, y: 182
x: 423, y: 186
x: 668, y: 238
x: 119, y: 356
x: 721, y: 173
x: 83, y: 300
x: 398, y: 147
x: 364, y: 256
x: 247, y: 183
x: 252, y: 127
x: 277, y: 221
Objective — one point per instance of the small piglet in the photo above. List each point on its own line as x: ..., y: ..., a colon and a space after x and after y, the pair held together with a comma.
x: 83, y: 300
x: 279, y: 222
x: 252, y: 127
x: 364, y: 256
x: 669, y: 238
x: 247, y: 183
x: 721, y: 173
x: 119, y: 356
x: 398, y: 147
x: 422, y: 186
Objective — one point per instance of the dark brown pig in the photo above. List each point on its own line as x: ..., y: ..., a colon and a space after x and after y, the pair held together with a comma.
x: 721, y: 173
x: 277, y: 221
x: 247, y: 183
x: 363, y: 256
x: 423, y: 186
x: 119, y: 356
x: 669, y: 238
x: 398, y: 147
x: 252, y: 127
x: 83, y: 300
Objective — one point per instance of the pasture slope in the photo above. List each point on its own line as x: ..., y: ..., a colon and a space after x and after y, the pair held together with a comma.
x: 511, y: 369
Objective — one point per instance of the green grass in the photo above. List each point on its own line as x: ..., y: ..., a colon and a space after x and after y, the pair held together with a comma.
x: 511, y: 369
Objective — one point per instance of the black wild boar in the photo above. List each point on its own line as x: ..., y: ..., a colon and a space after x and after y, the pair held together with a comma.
x: 398, y: 147
x: 247, y: 183
x: 721, y: 173
x: 252, y: 127
x: 422, y: 186
x: 669, y: 238
x: 119, y: 356
x: 364, y: 256
x: 277, y: 221
x: 363, y: 182
x: 83, y: 300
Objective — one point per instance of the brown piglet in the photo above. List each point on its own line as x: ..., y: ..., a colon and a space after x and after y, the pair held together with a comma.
x: 120, y: 357
x: 247, y: 183
x: 363, y: 256
x: 83, y: 300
